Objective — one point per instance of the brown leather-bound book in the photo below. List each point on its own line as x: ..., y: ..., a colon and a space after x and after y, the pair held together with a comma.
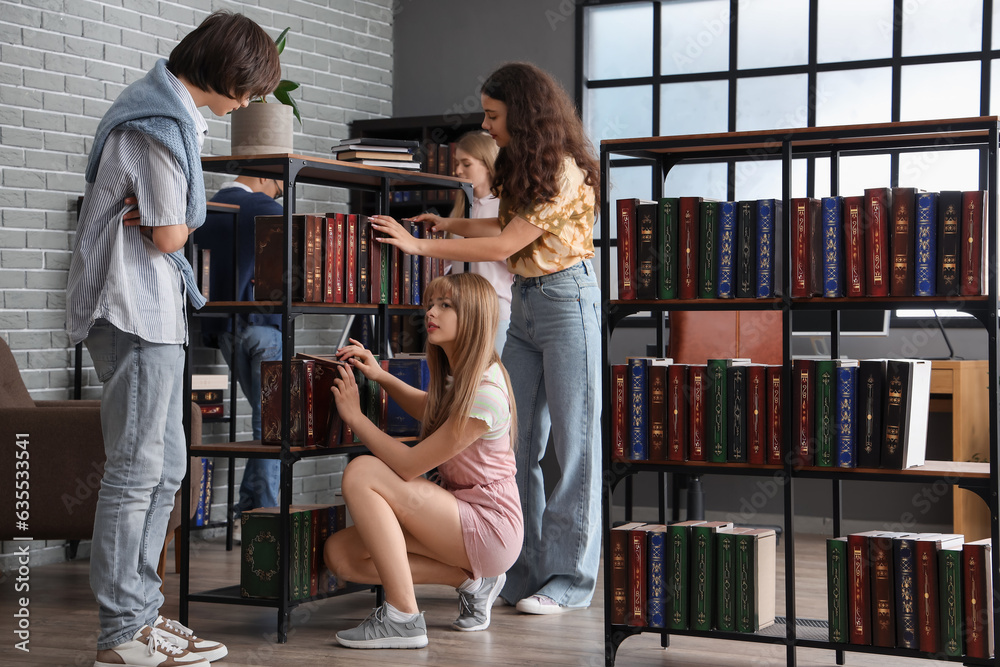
x: 327, y: 424
x: 364, y: 288
x: 688, y: 247
x: 775, y: 448
x: 859, y: 587
x: 807, y: 249
x: 854, y: 246
x: 269, y: 247
x: 883, y: 589
x: 877, y: 202
x: 901, y: 242
x: 316, y: 231
x: 948, y: 242
x: 619, y: 409
x: 270, y: 403
x: 804, y: 442
x: 756, y: 410
x: 977, y: 584
x: 351, y: 261
x: 676, y: 410
x: 335, y: 256
x: 619, y: 542
x: 926, y: 549
x: 973, y: 247
x: 627, y: 257
x: 635, y: 612
x: 698, y: 382
x: 657, y: 379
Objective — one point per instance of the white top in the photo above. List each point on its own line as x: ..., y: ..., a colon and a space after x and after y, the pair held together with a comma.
x: 495, y: 272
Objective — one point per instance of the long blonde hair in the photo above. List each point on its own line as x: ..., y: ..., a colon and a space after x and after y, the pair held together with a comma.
x: 478, y: 312
x: 479, y: 146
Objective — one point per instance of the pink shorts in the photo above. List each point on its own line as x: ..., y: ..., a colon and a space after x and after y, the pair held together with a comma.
x: 492, y: 527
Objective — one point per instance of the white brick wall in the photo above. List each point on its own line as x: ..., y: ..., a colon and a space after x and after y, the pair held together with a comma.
x: 61, y: 66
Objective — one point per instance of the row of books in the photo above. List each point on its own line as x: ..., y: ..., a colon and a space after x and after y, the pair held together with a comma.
x: 694, y: 575
x: 203, y: 507
x: 314, y: 421
x: 260, y: 556
x: 846, y: 413
x: 926, y: 591
x: 335, y: 259
x: 391, y: 153
x: 889, y: 242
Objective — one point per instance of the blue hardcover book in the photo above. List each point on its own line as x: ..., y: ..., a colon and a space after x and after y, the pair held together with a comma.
x: 846, y: 434
x: 905, y: 570
x: 656, y: 586
x: 727, y: 245
x: 638, y: 399
x: 414, y: 372
x: 926, y: 247
x: 201, y: 509
x: 833, y: 254
x: 767, y: 248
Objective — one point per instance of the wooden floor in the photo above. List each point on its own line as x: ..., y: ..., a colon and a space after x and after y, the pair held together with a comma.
x: 64, y: 620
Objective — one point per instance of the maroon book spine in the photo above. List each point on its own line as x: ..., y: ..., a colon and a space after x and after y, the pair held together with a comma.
x: 677, y: 412
x: 973, y: 242
x: 928, y: 626
x: 901, y: 242
x: 636, y: 614
x: 859, y: 591
x: 698, y: 381
x: 329, y: 258
x: 775, y: 454
x: 883, y: 598
x: 619, y: 386
x: 806, y: 248
x: 626, y: 248
x: 854, y: 246
x: 351, y: 268
x: 688, y: 247
x: 657, y: 378
x: 757, y: 414
x: 877, y: 202
x: 977, y: 593
x: 803, y: 377
x: 339, y: 257
x: 619, y: 575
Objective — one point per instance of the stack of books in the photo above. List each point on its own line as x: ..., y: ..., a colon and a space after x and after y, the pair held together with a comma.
x: 392, y: 153
x: 207, y: 391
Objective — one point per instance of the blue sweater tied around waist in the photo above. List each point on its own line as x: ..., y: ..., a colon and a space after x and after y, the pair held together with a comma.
x: 151, y: 106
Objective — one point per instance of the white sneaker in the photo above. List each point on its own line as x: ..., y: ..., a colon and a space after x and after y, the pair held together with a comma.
x: 541, y: 604
x: 149, y: 647
x: 185, y: 638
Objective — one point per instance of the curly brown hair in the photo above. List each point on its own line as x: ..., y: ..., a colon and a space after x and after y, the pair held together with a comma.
x: 544, y: 128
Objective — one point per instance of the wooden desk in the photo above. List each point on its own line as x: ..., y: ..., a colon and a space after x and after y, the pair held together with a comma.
x: 962, y: 388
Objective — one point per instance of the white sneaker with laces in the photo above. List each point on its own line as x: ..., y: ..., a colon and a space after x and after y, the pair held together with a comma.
x: 149, y: 647
x: 541, y: 604
x: 184, y: 637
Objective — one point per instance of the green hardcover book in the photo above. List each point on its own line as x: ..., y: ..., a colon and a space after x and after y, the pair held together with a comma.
x: 302, y: 548
x: 826, y: 412
x: 725, y: 579
x: 717, y: 426
x: 836, y: 588
x: 755, y: 579
x: 668, y: 247
x: 951, y: 599
x: 260, y: 555
x: 707, y: 261
x: 702, y: 573
x: 678, y: 559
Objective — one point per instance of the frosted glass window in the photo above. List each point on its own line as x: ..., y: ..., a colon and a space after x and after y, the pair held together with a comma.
x: 619, y: 41
x: 758, y: 179
x: 954, y: 26
x: 854, y: 30
x: 627, y: 183
x: 695, y: 107
x: 940, y: 170
x: 694, y: 36
x: 772, y: 33
x: 852, y: 97
x: 696, y: 180
x: 617, y: 113
x: 857, y: 172
x: 771, y: 102
x: 922, y: 91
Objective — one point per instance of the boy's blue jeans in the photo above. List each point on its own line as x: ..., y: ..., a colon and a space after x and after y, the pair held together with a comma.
x: 553, y: 356
x: 142, y: 420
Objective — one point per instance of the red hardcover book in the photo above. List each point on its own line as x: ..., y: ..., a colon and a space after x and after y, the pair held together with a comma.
x: 270, y: 403
x: 859, y: 587
x: 656, y: 417
x: 854, y: 246
x: 635, y: 614
x: 677, y: 412
x: 698, y: 383
x: 329, y: 255
x: 901, y: 242
x: 977, y: 584
x: 308, y: 406
x: 774, y: 416
x: 757, y: 413
x: 626, y: 248
x: 807, y: 249
x: 377, y: 253
x: 619, y: 547
x: 973, y: 243
x: 877, y: 202
x: 804, y: 443
x: 928, y: 606
x: 351, y: 264
x: 619, y: 385
x: 327, y: 424
x: 339, y: 256
x: 688, y: 247
x: 310, y: 265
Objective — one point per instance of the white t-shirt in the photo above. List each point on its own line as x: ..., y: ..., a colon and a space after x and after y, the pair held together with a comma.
x: 495, y: 272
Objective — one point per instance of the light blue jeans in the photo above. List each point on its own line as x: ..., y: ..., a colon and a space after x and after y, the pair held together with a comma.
x: 255, y: 343
x: 141, y: 416
x: 553, y: 355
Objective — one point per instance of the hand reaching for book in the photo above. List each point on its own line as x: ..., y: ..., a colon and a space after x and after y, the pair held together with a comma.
x: 395, y: 234
x: 345, y: 393
x: 437, y: 223
x: 360, y: 358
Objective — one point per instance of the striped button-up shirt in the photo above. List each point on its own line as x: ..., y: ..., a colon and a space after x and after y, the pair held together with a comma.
x: 117, y: 273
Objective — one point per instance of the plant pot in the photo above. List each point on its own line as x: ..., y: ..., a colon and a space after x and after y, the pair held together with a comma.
x: 261, y: 128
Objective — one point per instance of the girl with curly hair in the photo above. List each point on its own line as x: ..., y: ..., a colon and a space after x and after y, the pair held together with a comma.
x: 547, y: 178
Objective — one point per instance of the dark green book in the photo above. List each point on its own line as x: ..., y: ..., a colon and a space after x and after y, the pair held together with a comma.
x: 836, y: 588
x: 826, y: 412
x: 259, y: 554
x: 678, y: 559
x: 668, y: 247
x: 702, y: 573
x: 755, y: 579
x: 952, y: 600
x: 717, y: 410
x: 725, y: 579
x: 707, y: 251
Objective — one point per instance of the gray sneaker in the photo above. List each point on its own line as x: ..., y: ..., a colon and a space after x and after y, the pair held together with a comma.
x: 379, y: 631
x: 474, y: 608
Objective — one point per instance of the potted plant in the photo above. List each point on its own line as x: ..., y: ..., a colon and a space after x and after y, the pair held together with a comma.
x: 261, y: 128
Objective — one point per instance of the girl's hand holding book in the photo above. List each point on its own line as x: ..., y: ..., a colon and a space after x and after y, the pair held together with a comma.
x: 345, y: 393
x: 395, y: 234
x: 437, y: 223
x: 360, y: 358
